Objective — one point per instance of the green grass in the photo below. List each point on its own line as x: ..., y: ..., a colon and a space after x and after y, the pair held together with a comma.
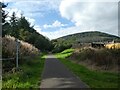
x: 0, y: 84
x: 65, y: 53
x: 28, y: 77
x: 94, y: 79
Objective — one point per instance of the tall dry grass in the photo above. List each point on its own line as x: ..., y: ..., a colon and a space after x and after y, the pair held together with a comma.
x: 106, y: 58
x: 9, y: 48
x: 26, y: 52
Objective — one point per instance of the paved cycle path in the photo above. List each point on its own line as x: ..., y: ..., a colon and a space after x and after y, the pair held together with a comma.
x: 56, y: 75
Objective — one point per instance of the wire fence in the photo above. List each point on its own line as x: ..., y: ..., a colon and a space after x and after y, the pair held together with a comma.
x: 2, y: 59
x: 9, y: 63
x: 5, y: 59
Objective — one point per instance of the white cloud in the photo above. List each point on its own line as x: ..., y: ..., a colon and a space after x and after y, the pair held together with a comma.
x: 86, y: 16
x: 31, y: 20
x: 18, y: 15
x: 34, y: 6
x: 65, y: 31
x: 54, y: 25
x: 102, y: 16
x: 38, y: 28
x: 10, y: 12
x: 54, y: 1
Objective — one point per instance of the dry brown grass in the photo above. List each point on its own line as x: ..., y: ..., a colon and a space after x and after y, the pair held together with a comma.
x: 104, y: 59
x: 26, y: 52
x: 9, y: 48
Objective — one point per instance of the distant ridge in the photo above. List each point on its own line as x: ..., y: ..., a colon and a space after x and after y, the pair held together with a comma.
x: 88, y: 37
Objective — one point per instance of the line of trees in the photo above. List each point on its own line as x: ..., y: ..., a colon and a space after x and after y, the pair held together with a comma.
x: 59, y: 46
x: 21, y: 29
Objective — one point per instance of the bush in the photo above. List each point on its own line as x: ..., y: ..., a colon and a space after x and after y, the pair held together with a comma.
x: 61, y: 47
x: 9, y: 48
x: 9, y: 51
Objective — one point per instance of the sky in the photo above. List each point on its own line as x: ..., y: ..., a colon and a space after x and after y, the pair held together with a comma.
x: 57, y: 18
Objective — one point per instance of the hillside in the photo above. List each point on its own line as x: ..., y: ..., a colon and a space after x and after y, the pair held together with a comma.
x: 88, y: 37
x: 68, y: 41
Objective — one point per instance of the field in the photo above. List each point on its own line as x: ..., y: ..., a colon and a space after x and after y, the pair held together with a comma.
x: 95, y: 79
x: 28, y: 75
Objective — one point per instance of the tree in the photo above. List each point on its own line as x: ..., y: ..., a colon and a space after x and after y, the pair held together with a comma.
x: 14, y: 25
x: 4, y: 14
x: 20, y: 28
x: 4, y: 23
x: 24, y: 24
x: 24, y: 35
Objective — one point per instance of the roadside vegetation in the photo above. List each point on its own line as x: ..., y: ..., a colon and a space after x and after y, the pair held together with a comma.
x: 27, y: 76
x: 59, y: 46
x: 95, y: 79
x: 99, y: 59
x: 9, y: 51
x: 32, y: 45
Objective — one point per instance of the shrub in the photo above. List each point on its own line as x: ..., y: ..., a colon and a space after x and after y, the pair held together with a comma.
x: 61, y: 47
x: 9, y: 51
x: 9, y: 48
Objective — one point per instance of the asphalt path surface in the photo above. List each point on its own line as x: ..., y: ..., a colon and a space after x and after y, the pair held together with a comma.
x: 56, y: 75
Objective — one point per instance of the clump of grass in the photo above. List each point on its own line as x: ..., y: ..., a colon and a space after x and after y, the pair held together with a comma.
x: 28, y: 77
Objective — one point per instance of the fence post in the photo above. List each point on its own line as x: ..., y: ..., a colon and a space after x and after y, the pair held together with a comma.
x: 17, y: 52
x: 0, y: 45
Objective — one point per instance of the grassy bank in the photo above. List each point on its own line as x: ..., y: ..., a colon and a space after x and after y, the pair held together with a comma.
x: 0, y: 84
x: 27, y: 77
x: 101, y: 59
x: 95, y: 79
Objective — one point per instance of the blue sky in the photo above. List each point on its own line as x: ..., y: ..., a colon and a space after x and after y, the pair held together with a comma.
x: 57, y: 18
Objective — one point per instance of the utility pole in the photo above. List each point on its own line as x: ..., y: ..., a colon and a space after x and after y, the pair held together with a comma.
x: 17, y: 52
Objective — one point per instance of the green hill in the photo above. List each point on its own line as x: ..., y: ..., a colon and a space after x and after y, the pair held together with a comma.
x: 66, y: 42
x: 88, y: 37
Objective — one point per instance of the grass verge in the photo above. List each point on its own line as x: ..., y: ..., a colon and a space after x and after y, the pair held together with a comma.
x: 27, y: 77
x: 95, y: 79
